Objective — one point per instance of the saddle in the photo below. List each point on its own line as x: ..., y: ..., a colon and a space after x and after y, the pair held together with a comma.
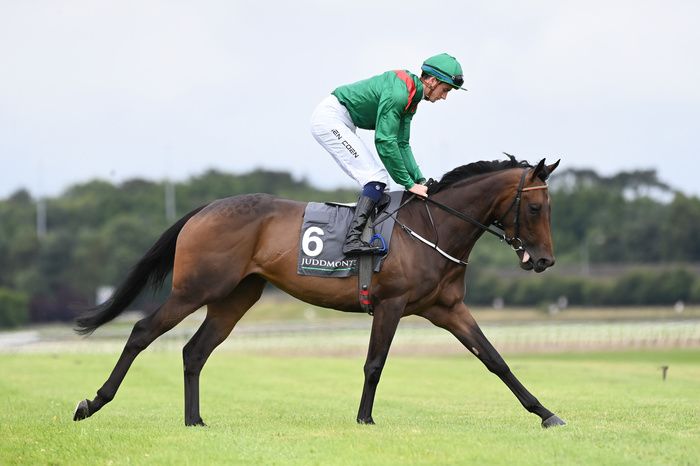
x: 322, y: 235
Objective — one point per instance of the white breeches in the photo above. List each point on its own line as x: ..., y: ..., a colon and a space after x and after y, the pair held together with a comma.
x: 333, y: 128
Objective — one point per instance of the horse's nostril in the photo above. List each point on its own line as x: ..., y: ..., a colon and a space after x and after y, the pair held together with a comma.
x: 544, y: 263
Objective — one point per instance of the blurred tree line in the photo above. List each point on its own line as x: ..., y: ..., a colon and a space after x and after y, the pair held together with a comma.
x: 52, y: 265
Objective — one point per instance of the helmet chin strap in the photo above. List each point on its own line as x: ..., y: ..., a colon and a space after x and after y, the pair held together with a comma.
x: 427, y: 95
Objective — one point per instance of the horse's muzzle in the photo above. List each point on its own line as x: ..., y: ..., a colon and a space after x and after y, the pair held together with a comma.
x: 538, y: 265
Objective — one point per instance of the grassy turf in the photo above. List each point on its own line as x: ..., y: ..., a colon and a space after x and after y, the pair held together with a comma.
x: 301, y: 410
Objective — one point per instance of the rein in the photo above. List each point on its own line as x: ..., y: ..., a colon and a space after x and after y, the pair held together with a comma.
x: 413, y: 233
x: 514, y: 242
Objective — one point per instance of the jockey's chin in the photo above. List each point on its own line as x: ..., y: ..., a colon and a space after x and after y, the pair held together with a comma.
x: 436, y: 91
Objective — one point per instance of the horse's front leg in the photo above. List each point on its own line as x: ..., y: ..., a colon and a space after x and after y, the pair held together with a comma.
x: 386, y: 318
x: 460, y: 322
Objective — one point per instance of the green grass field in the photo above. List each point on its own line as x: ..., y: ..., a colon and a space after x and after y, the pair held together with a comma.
x: 301, y: 410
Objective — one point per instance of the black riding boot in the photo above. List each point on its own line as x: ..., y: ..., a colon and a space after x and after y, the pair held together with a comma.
x: 353, y: 240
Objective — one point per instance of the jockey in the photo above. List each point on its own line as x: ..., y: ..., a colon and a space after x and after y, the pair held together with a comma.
x: 385, y: 103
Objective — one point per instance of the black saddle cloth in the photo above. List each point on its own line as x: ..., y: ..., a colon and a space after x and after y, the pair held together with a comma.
x: 323, y: 233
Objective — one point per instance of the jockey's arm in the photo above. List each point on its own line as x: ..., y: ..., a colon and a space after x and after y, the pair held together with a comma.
x: 402, y: 169
x: 405, y: 149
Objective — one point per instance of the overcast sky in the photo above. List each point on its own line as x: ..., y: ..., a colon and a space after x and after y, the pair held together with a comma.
x: 155, y: 89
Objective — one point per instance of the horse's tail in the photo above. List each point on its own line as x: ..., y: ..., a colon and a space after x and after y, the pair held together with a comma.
x: 152, y: 269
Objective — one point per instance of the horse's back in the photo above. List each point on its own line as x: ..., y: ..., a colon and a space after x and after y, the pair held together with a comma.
x: 230, y: 232
x: 246, y: 207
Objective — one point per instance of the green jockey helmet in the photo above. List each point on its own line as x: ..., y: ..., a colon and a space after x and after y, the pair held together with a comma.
x: 445, y: 68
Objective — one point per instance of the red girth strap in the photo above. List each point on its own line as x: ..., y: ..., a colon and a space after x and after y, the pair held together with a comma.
x: 410, y: 85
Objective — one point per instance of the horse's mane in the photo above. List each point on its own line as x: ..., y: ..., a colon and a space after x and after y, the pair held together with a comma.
x: 474, y: 169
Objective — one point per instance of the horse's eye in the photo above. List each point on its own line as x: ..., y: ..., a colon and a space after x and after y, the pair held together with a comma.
x: 534, y: 208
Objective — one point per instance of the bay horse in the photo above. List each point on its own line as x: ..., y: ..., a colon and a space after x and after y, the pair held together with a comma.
x: 221, y: 256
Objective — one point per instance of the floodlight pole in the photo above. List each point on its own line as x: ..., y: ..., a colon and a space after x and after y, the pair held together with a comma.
x: 41, y: 217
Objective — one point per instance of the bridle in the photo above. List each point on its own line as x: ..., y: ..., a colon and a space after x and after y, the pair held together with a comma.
x: 513, y: 241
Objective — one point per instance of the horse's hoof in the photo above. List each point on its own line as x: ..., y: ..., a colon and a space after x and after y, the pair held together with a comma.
x: 82, y: 411
x: 553, y: 421
x: 198, y: 422
x: 367, y: 420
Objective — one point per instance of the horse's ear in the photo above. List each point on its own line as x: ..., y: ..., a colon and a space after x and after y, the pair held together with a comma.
x: 543, y: 171
x: 538, y: 171
x: 552, y: 167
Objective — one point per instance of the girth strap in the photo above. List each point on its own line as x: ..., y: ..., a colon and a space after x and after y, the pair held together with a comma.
x: 364, y: 272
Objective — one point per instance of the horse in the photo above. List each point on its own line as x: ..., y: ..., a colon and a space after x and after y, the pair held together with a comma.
x: 221, y: 256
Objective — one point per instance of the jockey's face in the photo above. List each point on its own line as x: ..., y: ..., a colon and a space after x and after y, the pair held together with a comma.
x: 435, y: 90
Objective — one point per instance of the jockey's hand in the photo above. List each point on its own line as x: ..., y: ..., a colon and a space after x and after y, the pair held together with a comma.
x: 419, y: 189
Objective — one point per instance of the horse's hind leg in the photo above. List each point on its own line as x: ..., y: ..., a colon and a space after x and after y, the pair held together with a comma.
x: 221, y: 317
x: 461, y: 323
x: 143, y: 334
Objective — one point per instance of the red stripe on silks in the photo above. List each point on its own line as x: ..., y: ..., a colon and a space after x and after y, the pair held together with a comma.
x: 410, y: 85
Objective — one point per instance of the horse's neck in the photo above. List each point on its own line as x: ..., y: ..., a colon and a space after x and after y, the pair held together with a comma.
x: 476, y: 198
